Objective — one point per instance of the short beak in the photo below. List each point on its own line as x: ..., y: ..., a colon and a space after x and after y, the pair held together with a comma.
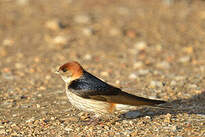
x: 57, y: 72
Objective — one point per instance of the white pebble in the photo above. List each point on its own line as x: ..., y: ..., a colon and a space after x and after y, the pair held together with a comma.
x: 143, y: 72
x: 38, y: 106
x: 61, y: 40
x: 52, y: 24
x: 173, y: 83
x: 104, y: 73
x: 184, y: 59
x: 155, y: 84
x: 30, y: 120
x: 138, y: 64
x: 87, y: 31
x: 132, y: 76
x: 87, y: 57
x: 192, y: 86
x: 140, y: 45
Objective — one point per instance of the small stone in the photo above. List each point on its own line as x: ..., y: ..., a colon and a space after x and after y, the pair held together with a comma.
x: 87, y: 57
x: 179, y: 78
x: 60, y: 40
x: 8, y: 42
x: 104, y: 73
x: 174, y: 128
x: 142, y: 45
x: 138, y: 64
x: 2, y: 131
x: 30, y: 120
x: 156, y: 84
x: 82, y: 19
x: 38, y: 106
x: 68, y: 129
x: 132, y: 114
x: 168, y: 118
x: 192, y: 86
x: 188, y: 50
x: 87, y: 31
x: 132, y: 76
x: 163, y: 65
x: 19, y: 65
x: 117, y: 82
x: 173, y: 83
x: 131, y: 33
x: 52, y: 118
x: 185, y: 59
x: 53, y: 24
x: 143, y: 72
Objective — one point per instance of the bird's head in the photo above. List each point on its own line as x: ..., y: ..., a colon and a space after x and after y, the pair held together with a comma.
x: 70, y: 71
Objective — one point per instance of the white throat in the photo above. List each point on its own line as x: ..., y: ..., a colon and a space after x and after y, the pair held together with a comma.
x: 66, y: 79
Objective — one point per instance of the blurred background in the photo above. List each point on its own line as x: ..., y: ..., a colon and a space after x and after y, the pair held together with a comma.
x: 152, y: 48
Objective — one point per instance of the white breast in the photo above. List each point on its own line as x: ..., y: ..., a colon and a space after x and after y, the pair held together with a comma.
x: 87, y: 104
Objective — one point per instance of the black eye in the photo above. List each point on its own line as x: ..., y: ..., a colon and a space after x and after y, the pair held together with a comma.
x: 64, y: 69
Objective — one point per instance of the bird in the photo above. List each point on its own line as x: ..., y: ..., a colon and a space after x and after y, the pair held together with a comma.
x: 89, y: 93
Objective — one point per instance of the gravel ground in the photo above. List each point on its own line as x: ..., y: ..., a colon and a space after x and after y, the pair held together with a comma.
x: 154, y: 49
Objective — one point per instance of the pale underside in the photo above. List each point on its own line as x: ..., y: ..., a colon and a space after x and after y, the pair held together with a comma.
x: 99, y: 107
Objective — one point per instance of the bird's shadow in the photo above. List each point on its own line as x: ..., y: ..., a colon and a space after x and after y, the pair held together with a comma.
x: 192, y: 105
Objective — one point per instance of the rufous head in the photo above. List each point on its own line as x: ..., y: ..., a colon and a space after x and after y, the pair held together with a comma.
x: 70, y: 71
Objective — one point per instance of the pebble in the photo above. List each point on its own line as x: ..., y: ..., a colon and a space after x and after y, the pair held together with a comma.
x: 53, y: 24
x: 173, y: 83
x: 8, y: 42
x: 132, y: 76
x: 142, y: 45
x: 104, y: 73
x: 60, y: 40
x: 131, y: 33
x: 68, y: 129
x: 185, y: 59
x: 143, y: 72
x: 178, y: 78
x: 87, y: 31
x: 163, y: 65
x: 192, y: 86
x: 168, y: 118
x: 82, y: 19
x: 132, y: 114
x: 87, y: 57
x: 2, y: 131
x: 38, y: 106
x: 19, y: 65
x: 117, y: 82
x: 138, y: 64
x: 156, y: 84
x: 188, y: 50
x: 30, y: 120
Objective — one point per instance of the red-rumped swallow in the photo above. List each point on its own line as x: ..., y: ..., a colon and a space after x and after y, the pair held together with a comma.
x: 88, y: 93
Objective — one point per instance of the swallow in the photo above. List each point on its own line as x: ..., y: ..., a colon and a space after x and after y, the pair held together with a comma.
x: 88, y: 93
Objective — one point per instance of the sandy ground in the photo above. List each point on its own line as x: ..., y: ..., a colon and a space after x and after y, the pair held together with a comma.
x: 154, y: 49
